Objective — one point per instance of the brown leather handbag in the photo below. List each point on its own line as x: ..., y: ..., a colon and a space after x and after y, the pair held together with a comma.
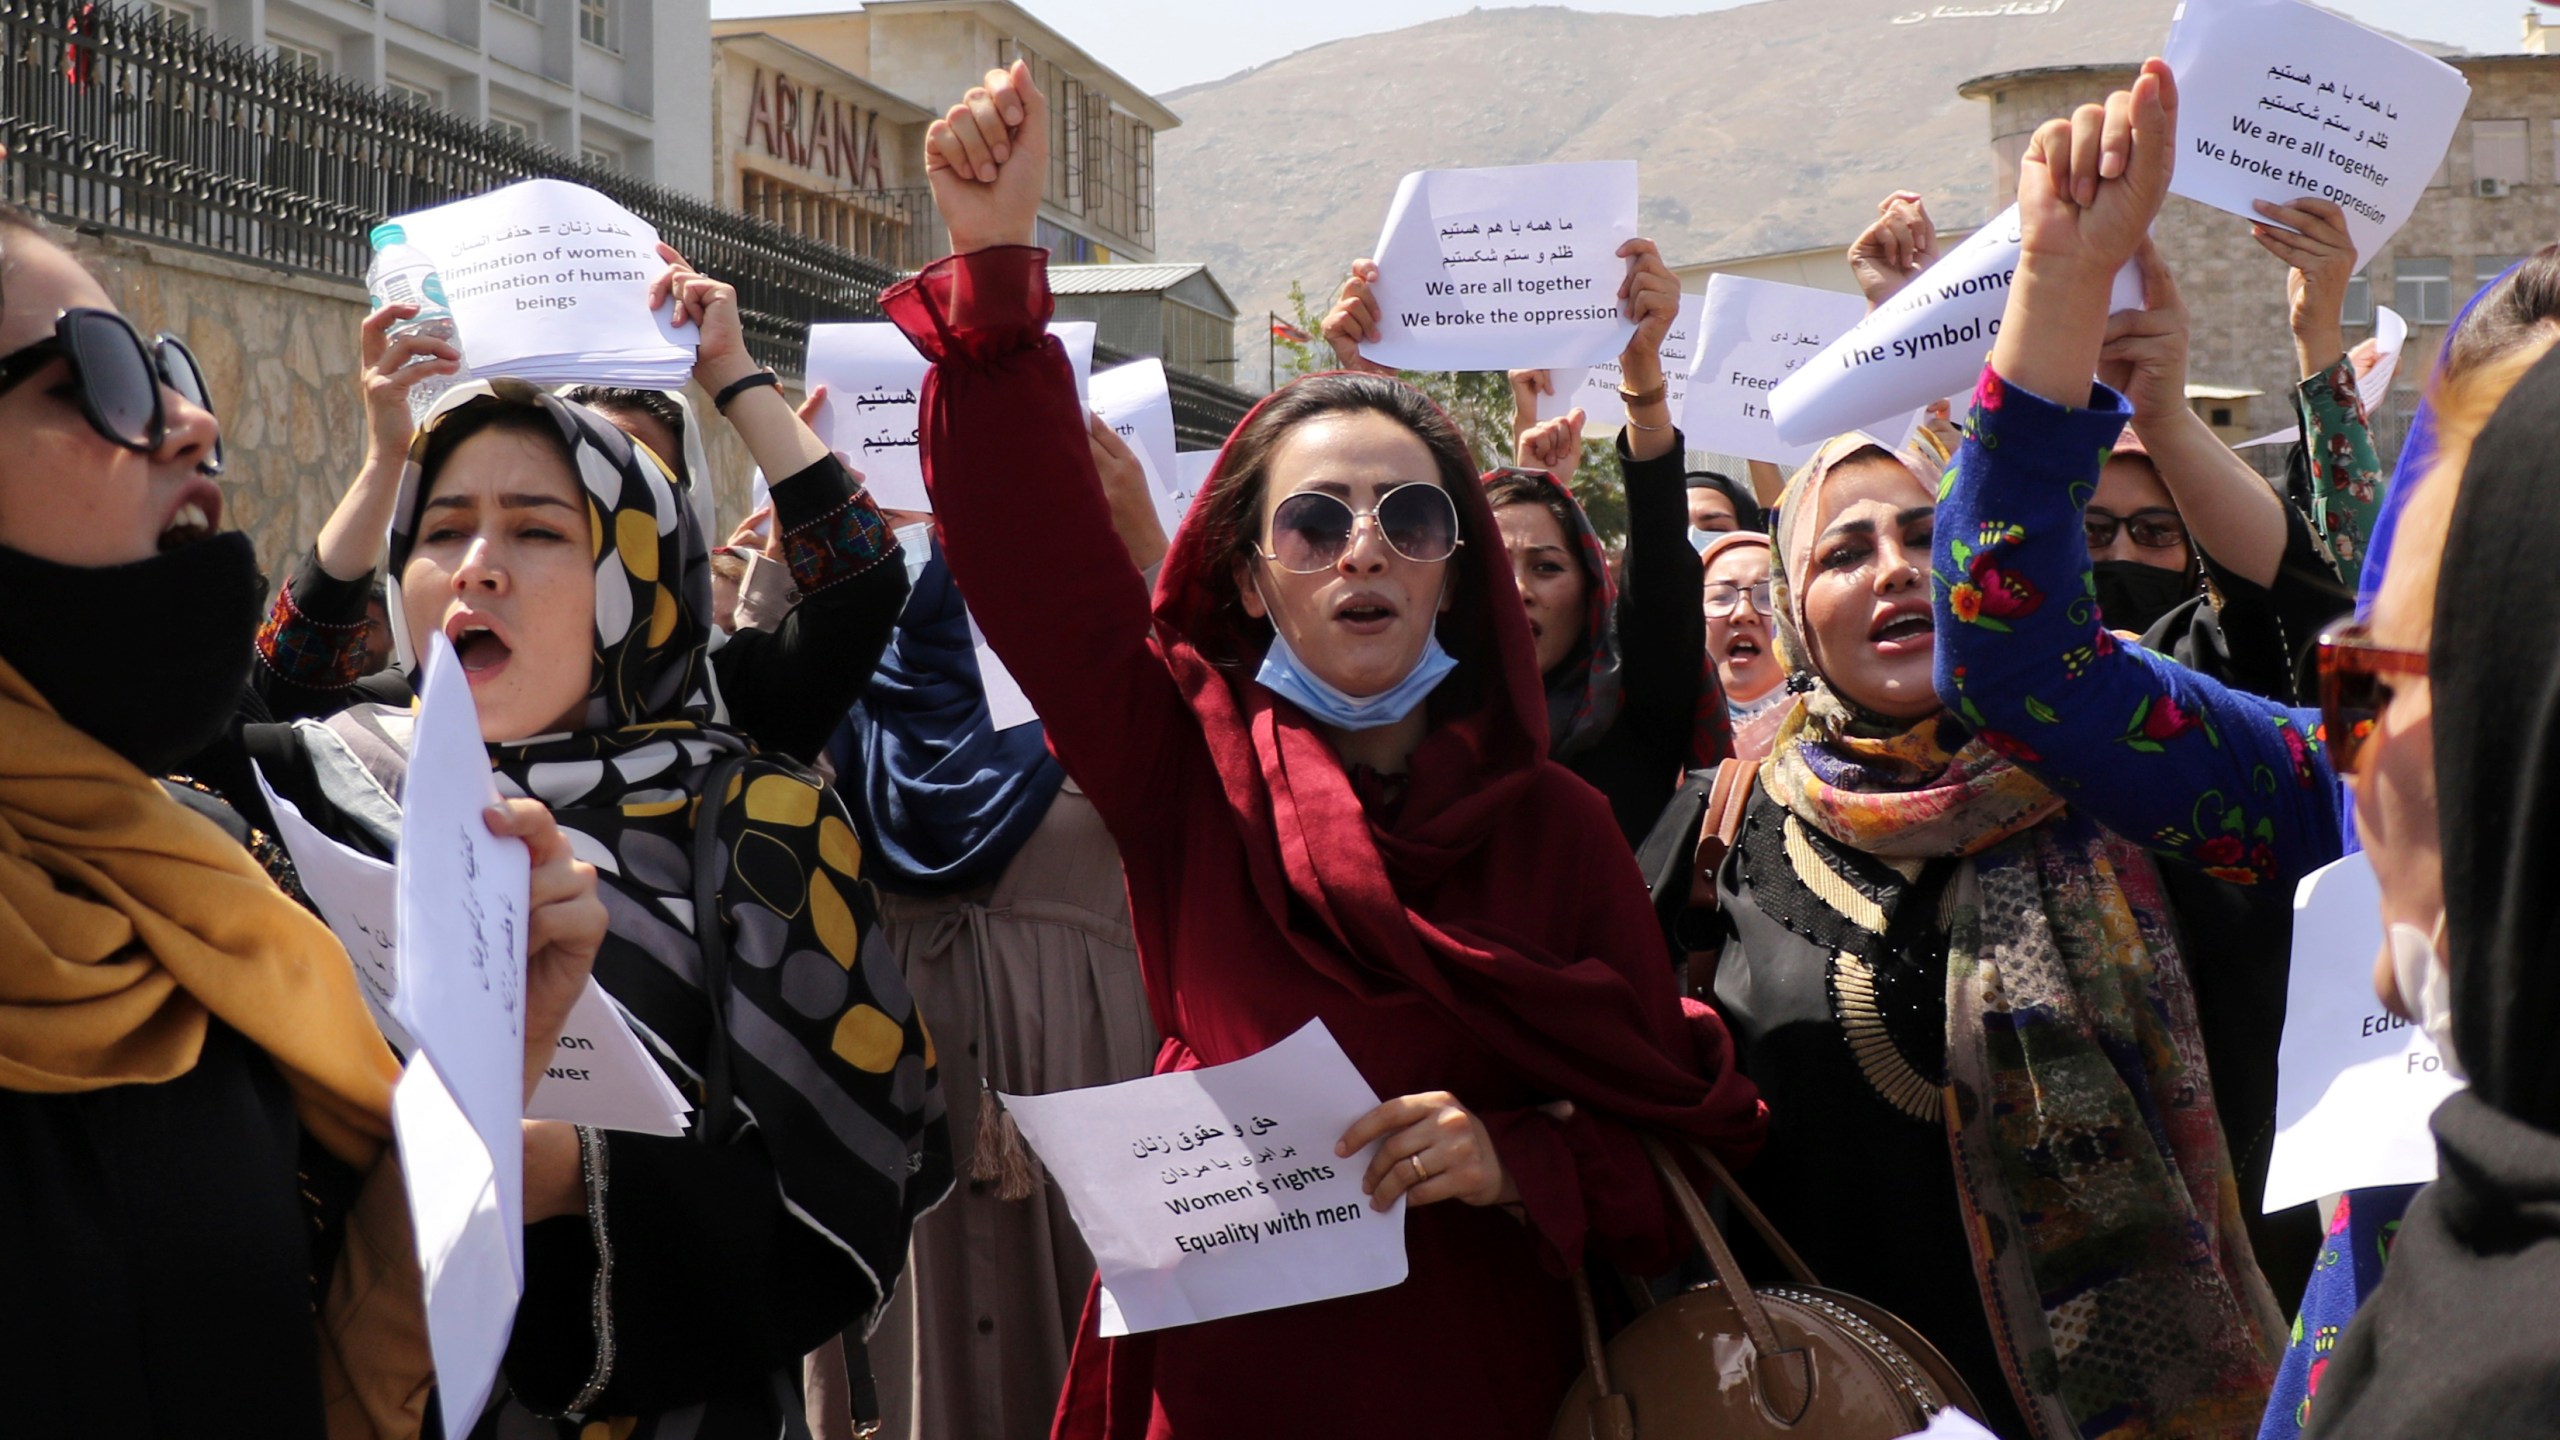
x: 1725, y: 1361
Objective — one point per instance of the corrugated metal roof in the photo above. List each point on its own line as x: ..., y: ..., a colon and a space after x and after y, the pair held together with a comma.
x: 1119, y: 279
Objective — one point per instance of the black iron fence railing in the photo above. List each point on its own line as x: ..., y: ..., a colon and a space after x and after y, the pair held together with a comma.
x: 125, y: 122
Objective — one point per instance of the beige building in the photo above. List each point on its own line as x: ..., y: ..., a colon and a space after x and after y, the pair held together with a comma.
x: 820, y: 126
x: 2495, y: 199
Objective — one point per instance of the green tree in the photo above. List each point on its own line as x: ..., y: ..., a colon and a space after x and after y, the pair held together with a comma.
x: 1479, y: 403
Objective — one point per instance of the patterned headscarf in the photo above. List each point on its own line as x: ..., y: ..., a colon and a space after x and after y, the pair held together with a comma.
x: 2090, y: 1161
x: 832, y: 1062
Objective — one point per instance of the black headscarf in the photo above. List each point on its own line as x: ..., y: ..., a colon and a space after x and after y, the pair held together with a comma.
x: 2459, y: 1338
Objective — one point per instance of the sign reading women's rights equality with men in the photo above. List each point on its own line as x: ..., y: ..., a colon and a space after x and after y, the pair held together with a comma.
x: 1215, y: 1192
x: 2278, y: 100
x: 1928, y: 342
x: 1505, y: 268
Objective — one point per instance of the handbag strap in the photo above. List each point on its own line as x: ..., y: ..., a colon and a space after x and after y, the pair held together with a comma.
x: 719, y: 1084
x: 1718, y: 827
x: 1793, y: 1263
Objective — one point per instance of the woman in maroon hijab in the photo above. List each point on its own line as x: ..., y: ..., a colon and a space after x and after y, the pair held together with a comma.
x: 1323, y: 755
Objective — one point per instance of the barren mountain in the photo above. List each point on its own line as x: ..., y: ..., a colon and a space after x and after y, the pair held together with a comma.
x: 1774, y: 126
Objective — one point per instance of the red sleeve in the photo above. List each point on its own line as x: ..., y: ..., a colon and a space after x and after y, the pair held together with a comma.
x: 1026, y: 531
x: 1586, y: 1183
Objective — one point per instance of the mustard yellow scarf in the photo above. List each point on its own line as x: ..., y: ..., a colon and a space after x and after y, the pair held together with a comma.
x: 126, y: 920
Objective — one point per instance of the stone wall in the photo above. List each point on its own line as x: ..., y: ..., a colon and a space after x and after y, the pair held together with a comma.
x: 279, y: 350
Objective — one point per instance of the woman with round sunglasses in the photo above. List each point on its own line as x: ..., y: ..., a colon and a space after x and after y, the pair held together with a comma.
x: 2442, y: 707
x: 1629, y: 708
x: 211, y: 1235
x: 1322, y: 751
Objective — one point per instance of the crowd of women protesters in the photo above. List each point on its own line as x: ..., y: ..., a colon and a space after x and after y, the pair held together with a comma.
x: 1914, y: 836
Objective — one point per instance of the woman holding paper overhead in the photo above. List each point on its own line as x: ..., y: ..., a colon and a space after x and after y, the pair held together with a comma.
x: 672, y: 1283
x: 1323, y: 758
x: 206, y: 1229
x: 788, y: 687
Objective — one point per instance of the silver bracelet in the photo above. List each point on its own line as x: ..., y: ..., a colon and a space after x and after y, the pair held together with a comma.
x: 591, y: 1166
x: 1640, y: 425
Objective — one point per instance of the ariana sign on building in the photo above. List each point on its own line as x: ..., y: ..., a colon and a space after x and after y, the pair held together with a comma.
x: 804, y: 126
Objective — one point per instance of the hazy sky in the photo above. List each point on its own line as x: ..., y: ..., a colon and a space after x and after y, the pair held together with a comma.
x: 1162, y: 45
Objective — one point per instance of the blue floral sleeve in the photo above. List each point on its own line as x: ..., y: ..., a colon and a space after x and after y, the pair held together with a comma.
x: 2230, y: 782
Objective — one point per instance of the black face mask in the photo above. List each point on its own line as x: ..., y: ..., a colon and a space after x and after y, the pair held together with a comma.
x: 148, y: 659
x: 2133, y: 596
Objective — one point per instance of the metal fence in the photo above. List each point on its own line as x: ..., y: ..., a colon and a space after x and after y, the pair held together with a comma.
x: 126, y: 122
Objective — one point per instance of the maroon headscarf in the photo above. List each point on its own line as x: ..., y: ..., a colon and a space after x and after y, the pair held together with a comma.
x: 1603, y: 1034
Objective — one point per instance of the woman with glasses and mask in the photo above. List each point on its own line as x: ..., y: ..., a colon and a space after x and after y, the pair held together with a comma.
x: 1323, y: 753
x: 208, y: 1231
x: 2190, y: 549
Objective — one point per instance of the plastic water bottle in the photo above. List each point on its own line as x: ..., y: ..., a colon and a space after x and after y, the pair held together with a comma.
x: 402, y: 274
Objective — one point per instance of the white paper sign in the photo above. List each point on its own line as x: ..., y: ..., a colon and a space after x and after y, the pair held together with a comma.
x: 1215, y: 1192
x: 603, y: 1077
x: 1192, y: 469
x: 2355, y: 1084
x: 1007, y: 706
x: 1756, y: 333
x: 1133, y: 400
x: 2278, y: 99
x: 549, y: 282
x: 1928, y: 341
x: 875, y: 388
x: 1505, y: 268
x: 1595, y: 387
x: 462, y: 999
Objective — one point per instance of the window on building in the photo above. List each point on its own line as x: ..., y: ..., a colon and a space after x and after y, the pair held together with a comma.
x: 600, y: 155
x: 2358, y: 307
x: 2422, y: 290
x: 873, y: 225
x: 2485, y: 268
x: 433, y: 99
x: 179, y: 11
x: 514, y: 128
x: 521, y: 7
x: 1071, y: 105
x: 310, y: 59
x: 595, y: 24
x: 2497, y: 151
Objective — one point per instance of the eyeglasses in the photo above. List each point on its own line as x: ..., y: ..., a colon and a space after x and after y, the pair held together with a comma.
x: 1724, y: 597
x: 118, y: 376
x: 1311, y: 530
x: 2354, y: 687
x: 2150, y: 529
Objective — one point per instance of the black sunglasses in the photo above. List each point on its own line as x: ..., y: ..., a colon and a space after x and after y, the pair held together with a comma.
x: 118, y: 376
x: 2150, y: 529
x: 1310, y: 530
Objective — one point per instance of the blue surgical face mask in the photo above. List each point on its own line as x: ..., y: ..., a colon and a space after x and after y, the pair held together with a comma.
x: 1699, y: 539
x: 1285, y: 676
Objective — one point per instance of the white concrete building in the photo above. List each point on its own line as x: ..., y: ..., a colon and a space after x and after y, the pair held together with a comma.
x: 618, y: 81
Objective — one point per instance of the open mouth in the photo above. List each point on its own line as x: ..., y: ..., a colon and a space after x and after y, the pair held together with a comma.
x: 1903, y: 628
x: 1363, y: 612
x: 477, y: 645
x: 197, y: 516
x: 1743, y: 648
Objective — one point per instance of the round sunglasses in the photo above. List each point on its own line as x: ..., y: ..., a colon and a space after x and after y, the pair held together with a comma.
x: 2150, y: 529
x: 1311, y: 530
x: 116, y: 376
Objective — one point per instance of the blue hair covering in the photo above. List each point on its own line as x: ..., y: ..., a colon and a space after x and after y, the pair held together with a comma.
x: 2416, y: 453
